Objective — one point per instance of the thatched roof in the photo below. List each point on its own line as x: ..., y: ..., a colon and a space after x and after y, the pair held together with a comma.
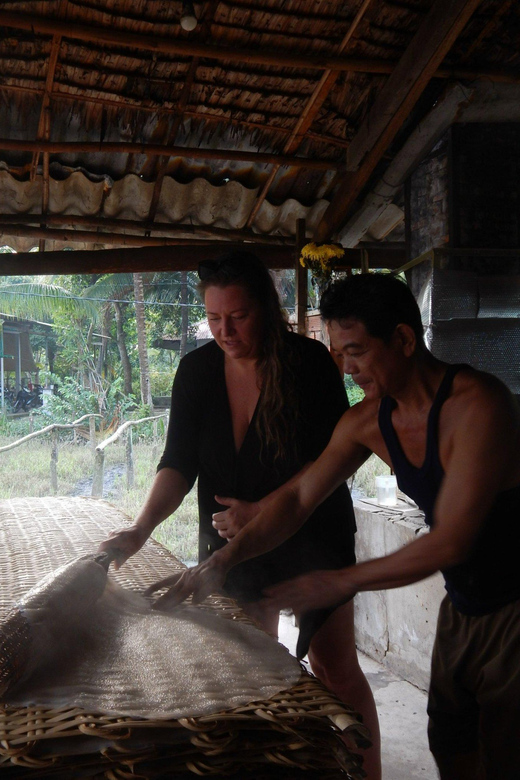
x: 120, y: 129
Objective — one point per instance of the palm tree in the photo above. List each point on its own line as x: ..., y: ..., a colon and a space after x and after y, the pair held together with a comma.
x: 37, y: 300
x: 142, y: 349
x: 123, y: 352
x: 157, y: 288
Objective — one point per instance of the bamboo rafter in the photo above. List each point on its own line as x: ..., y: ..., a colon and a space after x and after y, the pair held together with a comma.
x: 164, y: 228
x: 310, y: 111
x: 156, y: 150
x: 171, y: 46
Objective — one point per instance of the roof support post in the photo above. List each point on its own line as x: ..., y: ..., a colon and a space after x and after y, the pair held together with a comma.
x: 301, y: 279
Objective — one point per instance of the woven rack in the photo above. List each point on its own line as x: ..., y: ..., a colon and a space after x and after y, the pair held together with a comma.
x: 294, y: 734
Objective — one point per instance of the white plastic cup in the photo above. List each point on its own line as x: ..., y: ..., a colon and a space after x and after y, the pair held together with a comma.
x: 386, y: 490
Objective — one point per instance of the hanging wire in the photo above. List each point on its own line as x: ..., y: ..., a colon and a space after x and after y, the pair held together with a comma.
x: 105, y: 300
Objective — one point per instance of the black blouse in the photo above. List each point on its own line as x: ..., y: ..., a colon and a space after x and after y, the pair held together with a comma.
x: 200, y: 443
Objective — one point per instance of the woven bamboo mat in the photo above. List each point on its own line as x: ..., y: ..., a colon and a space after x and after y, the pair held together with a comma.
x: 293, y: 734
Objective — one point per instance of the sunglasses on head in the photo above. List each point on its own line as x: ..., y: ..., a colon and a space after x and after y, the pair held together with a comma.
x: 230, y: 267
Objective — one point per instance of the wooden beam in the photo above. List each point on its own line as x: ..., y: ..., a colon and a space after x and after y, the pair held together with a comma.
x: 101, y: 239
x: 109, y: 36
x: 488, y: 28
x: 301, y: 279
x: 182, y: 257
x: 156, y: 150
x: 435, y: 37
x: 130, y: 260
x: 146, y: 226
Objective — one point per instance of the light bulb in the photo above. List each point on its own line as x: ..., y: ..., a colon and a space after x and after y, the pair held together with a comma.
x: 188, y: 18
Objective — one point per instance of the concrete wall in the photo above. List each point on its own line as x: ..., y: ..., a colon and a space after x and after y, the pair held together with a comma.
x: 396, y: 627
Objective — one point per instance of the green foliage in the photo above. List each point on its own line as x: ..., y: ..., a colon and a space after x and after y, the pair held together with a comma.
x: 354, y: 392
x: 16, y: 427
x: 72, y: 401
x: 161, y: 382
x: 145, y: 431
x: 35, y: 299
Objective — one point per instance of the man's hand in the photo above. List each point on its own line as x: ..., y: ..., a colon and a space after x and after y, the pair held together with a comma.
x: 124, y: 543
x: 316, y: 590
x: 199, y: 581
x: 238, y: 514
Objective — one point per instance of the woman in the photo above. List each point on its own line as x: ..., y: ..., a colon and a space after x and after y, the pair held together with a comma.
x: 249, y: 410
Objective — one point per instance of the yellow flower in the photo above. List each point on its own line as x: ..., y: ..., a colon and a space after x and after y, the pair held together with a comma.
x: 321, y: 258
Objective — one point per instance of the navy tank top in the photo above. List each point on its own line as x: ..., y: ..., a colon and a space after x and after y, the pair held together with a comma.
x: 490, y: 578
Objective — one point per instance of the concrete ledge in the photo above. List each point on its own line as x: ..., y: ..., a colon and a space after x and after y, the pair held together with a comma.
x: 395, y: 627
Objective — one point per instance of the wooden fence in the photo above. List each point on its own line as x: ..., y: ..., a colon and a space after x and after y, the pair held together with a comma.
x: 99, y: 450
x: 53, y: 430
x: 124, y: 429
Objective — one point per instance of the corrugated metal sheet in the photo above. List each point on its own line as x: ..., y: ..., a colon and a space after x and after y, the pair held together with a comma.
x: 195, y: 203
x: 98, y: 91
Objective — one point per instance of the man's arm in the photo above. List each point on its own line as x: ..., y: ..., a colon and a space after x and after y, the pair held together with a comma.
x: 481, y: 461
x: 282, y: 515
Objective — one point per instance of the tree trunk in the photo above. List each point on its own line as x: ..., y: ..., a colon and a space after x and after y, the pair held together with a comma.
x: 144, y: 370
x: 51, y: 353
x: 105, y: 335
x: 123, y: 352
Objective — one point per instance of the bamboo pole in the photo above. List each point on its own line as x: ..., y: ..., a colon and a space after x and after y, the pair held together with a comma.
x: 54, y: 462
x: 122, y: 428
x: 155, y: 439
x: 92, y: 432
x: 99, y: 459
x: 129, y: 460
x: 47, y: 429
x: 97, y: 480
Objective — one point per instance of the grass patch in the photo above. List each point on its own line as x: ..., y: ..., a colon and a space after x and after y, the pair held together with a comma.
x: 25, y: 472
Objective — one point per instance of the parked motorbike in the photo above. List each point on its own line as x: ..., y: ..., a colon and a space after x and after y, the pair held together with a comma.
x: 27, y: 400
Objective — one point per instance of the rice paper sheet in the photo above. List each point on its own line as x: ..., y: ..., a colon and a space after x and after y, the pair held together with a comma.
x: 123, y: 658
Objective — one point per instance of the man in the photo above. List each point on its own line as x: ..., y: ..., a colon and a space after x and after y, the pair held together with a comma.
x: 451, y: 434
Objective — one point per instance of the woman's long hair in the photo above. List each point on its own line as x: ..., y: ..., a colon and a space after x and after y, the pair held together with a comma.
x: 278, y: 405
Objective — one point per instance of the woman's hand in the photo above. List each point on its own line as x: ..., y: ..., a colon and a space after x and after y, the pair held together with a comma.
x: 199, y: 581
x: 231, y: 520
x: 316, y: 590
x: 124, y: 543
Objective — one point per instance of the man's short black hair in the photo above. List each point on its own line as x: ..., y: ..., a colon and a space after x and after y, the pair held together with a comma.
x: 379, y: 301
